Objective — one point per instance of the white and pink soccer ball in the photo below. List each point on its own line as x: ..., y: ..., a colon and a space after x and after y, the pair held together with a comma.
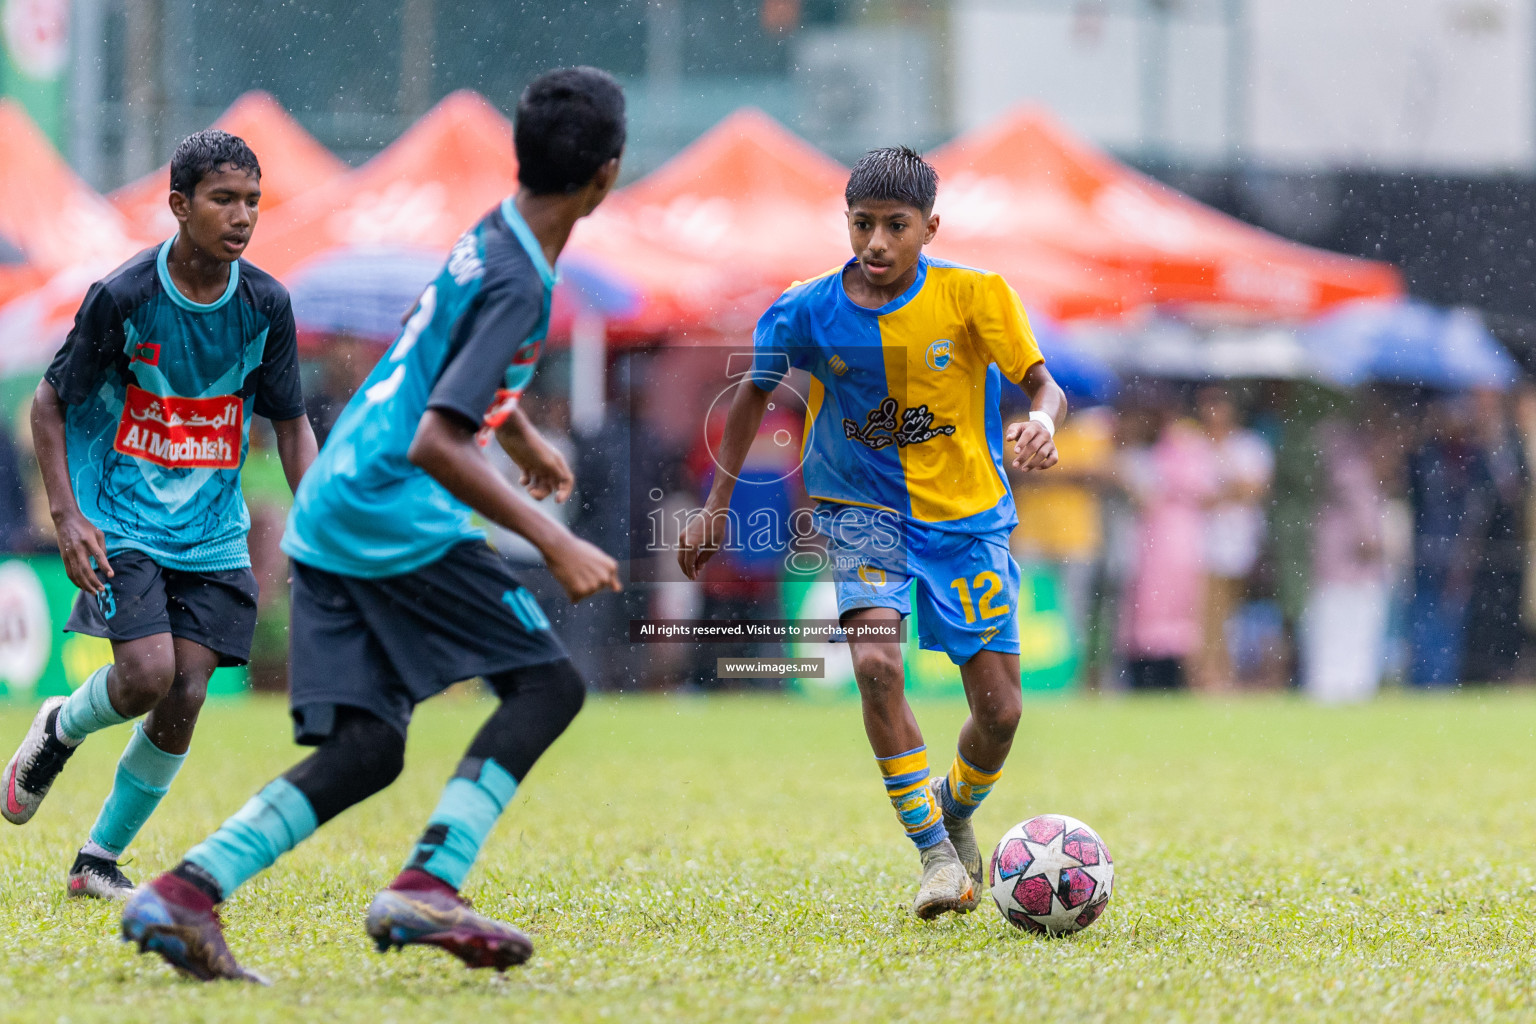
x: 1051, y: 874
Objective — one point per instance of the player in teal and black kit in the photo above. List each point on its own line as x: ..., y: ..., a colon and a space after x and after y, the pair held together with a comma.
x: 141, y: 426
x: 396, y: 595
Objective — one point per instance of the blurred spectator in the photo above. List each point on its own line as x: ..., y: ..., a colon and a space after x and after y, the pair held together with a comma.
x: 345, y: 362
x: 741, y: 582
x: 1172, y: 484
x: 659, y: 490
x: 1345, y: 622
x: 1061, y: 519
x: 39, y: 533
x: 1450, y: 517
x: 1525, y: 422
x: 550, y: 413
x: 265, y: 488
x: 1235, y: 525
x: 16, y: 534
x: 1494, y: 633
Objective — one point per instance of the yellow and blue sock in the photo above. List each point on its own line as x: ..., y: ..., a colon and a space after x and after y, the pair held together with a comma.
x: 87, y: 710
x: 144, y: 775
x: 471, y: 802
x: 906, y: 783
x: 966, y: 787
x: 270, y: 824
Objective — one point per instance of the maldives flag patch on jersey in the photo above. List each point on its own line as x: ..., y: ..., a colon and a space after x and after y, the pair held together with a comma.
x: 181, y: 433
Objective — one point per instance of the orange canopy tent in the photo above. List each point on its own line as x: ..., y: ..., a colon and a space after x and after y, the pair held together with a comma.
x: 1027, y: 176
x: 747, y: 197
x: 35, y: 322
x: 292, y: 163
x: 434, y: 181
x: 422, y: 191
x: 68, y: 234
x: 18, y: 279
x: 1048, y: 280
x: 412, y: 200
x: 46, y: 211
x: 753, y: 199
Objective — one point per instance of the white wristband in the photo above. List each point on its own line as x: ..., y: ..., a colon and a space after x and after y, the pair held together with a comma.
x: 1044, y: 418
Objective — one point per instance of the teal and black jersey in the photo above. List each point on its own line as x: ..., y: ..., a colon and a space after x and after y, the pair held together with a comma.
x: 472, y: 342
x: 159, y: 392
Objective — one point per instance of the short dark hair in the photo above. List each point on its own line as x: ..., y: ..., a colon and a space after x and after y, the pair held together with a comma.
x: 569, y: 123
x: 203, y: 153
x: 894, y: 174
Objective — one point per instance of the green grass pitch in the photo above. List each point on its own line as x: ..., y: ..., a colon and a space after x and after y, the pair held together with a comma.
x: 735, y: 859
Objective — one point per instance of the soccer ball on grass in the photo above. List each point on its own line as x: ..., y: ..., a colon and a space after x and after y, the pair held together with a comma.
x: 1051, y: 874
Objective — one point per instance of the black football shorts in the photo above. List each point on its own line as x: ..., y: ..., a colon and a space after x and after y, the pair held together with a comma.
x: 386, y: 644
x: 143, y: 597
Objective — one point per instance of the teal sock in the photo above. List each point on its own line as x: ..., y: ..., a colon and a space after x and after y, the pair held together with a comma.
x: 87, y: 710
x: 144, y: 775
x: 270, y: 824
x: 472, y: 801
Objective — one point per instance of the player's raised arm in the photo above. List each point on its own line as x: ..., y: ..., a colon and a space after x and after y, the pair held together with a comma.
x: 545, y: 470
x: 1033, y: 440
x: 445, y: 448
x: 1002, y: 328
x: 706, y: 532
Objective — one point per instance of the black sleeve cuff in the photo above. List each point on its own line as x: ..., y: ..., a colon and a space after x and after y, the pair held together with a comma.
x: 473, y: 420
x: 289, y: 413
x: 64, y: 391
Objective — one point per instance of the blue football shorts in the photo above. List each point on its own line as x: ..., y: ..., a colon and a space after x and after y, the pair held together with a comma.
x: 965, y: 585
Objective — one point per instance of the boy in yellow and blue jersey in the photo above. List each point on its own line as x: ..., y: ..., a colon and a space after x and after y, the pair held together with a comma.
x: 904, y: 451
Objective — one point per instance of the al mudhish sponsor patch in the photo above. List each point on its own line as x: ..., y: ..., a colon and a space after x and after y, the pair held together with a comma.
x: 181, y: 433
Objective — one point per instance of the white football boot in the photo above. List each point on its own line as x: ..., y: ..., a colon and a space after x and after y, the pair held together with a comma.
x: 100, y: 878
x: 964, y: 837
x: 34, y: 766
x: 946, y: 886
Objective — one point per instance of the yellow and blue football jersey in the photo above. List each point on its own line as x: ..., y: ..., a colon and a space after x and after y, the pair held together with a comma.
x: 902, y: 412
x: 902, y: 417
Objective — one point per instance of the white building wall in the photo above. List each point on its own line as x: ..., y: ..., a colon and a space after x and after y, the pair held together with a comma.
x: 1436, y: 85
x: 1082, y: 64
x: 1440, y: 85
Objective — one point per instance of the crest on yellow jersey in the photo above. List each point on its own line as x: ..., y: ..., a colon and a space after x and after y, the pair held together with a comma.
x: 940, y: 353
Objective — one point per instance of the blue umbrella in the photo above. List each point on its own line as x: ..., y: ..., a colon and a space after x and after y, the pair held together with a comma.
x: 598, y: 288
x: 1087, y: 379
x: 368, y: 291
x: 1408, y: 343
x: 365, y: 292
